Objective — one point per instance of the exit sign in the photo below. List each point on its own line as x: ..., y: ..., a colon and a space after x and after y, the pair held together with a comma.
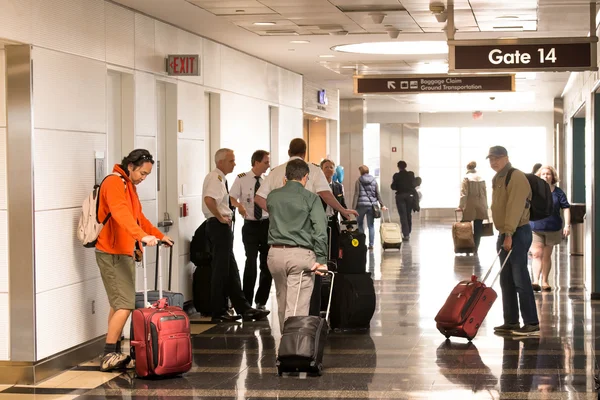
x: 183, y: 65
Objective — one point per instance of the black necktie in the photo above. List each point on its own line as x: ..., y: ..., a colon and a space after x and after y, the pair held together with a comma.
x: 257, y: 209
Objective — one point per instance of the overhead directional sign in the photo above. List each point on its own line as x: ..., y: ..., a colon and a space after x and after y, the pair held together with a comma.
x: 183, y: 64
x: 433, y: 84
x: 515, y: 55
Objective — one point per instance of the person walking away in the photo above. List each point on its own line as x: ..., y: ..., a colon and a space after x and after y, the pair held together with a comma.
x: 255, y: 232
x: 548, y: 232
x: 119, y: 246
x: 473, y: 201
x: 225, y: 281
x: 510, y: 212
x: 298, y: 240
x: 403, y: 182
x: 366, y: 195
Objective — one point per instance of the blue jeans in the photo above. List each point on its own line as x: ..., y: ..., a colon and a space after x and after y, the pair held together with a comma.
x: 368, y: 211
x: 515, y: 281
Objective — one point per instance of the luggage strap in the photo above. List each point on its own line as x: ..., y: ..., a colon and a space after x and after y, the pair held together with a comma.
x: 492, y: 266
x: 330, y: 293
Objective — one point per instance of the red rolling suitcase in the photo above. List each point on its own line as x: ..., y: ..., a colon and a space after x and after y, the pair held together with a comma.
x: 161, y: 335
x: 467, y: 306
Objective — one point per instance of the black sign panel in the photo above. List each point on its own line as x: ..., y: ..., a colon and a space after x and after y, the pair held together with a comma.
x: 523, y: 57
x: 433, y: 84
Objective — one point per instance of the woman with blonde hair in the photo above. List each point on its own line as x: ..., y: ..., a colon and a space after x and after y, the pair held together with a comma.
x: 473, y: 201
x: 548, y: 232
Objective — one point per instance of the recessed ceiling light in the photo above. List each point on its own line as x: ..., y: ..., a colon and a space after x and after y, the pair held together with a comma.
x: 518, y: 27
x: 264, y: 23
x: 300, y: 41
x: 396, y: 48
x: 326, y: 56
x: 507, y: 17
x: 348, y: 67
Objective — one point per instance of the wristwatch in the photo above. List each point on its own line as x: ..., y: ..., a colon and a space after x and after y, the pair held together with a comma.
x: 508, y: 234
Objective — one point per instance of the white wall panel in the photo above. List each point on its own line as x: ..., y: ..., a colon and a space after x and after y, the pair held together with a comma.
x: 188, y: 43
x: 60, y: 259
x: 272, y: 93
x: 70, y: 92
x: 251, y: 121
x: 72, y: 26
x: 58, y: 154
x: 290, y: 127
x: 15, y: 20
x: 211, y: 61
x: 236, y: 67
x: 190, y: 109
x: 290, y: 88
x: 76, y: 324
x: 189, y: 224
x: 120, y: 36
x: 4, y: 327
x: 3, y: 186
x: 145, y: 104
x: 145, y: 59
x: 165, y: 42
x: 147, y: 189
x: 191, y: 166
x: 3, y: 253
x: 2, y: 86
x: 150, y: 210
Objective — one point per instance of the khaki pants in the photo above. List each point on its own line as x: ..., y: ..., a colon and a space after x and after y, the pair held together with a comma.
x: 285, y: 265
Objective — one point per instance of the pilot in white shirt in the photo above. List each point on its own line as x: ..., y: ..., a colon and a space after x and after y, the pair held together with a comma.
x: 255, y: 232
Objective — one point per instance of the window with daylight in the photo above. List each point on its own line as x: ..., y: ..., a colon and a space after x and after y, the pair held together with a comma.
x: 445, y: 152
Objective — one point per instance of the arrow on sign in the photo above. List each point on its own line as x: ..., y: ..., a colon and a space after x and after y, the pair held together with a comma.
x: 391, y: 85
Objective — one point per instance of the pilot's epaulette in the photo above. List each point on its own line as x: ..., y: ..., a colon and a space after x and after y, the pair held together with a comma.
x: 243, y: 174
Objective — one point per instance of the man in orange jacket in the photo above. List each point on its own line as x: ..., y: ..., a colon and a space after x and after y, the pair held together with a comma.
x: 119, y: 245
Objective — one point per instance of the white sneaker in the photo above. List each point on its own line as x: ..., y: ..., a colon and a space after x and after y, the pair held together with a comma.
x: 113, y: 361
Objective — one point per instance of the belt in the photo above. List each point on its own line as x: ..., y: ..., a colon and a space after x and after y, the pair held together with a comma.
x: 256, y: 221
x: 288, y: 246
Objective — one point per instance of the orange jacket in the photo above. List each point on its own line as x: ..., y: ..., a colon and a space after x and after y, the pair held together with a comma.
x: 127, y: 223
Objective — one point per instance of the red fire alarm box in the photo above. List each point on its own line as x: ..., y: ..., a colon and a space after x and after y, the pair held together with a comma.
x: 393, y: 149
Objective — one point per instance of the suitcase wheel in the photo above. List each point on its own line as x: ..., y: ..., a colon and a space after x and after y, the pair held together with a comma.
x: 279, y: 371
x: 320, y: 369
x: 447, y: 337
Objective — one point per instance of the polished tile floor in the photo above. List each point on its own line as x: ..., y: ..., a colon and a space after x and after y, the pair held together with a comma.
x: 403, y: 356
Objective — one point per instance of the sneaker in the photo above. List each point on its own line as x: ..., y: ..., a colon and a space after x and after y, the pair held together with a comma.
x: 506, y: 328
x: 113, y: 361
x: 527, y: 330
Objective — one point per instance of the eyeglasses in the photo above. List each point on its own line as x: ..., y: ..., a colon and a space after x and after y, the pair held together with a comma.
x: 143, y: 157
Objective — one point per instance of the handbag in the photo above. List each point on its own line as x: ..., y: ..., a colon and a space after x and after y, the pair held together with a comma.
x: 487, y: 229
x: 374, y: 206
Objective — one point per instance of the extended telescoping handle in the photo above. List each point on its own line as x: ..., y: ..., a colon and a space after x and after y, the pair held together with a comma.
x: 388, y: 213
x: 330, y: 292
x: 492, y: 266
x: 158, y: 268
x: 158, y: 272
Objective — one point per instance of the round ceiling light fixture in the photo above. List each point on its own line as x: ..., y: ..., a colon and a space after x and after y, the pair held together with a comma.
x: 394, y: 48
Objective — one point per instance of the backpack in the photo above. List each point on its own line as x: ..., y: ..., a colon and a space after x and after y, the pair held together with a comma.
x: 89, y: 227
x: 541, y: 204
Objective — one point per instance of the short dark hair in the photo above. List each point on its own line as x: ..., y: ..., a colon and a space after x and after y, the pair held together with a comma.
x: 258, y: 156
x: 418, y: 181
x: 297, y: 147
x: 137, y: 157
x: 536, y: 168
x: 295, y: 170
x: 325, y: 161
x: 402, y: 165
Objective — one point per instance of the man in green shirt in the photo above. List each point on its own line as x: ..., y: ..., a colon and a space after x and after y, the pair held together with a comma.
x: 298, y: 240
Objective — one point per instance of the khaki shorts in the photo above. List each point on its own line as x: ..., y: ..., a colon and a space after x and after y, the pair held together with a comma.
x: 118, y: 276
x: 547, y: 238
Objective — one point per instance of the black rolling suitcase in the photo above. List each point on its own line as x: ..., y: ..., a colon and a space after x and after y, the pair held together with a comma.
x: 303, y: 341
x: 352, y: 257
x: 353, y: 303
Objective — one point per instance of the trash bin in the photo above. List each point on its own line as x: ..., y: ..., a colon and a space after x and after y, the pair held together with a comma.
x: 577, y: 245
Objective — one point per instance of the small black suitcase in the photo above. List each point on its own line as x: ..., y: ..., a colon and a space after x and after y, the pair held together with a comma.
x: 352, y: 258
x: 303, y: 341
x: 354, y: 301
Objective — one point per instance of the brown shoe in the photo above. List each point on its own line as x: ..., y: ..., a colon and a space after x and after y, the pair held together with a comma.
x: 536, y: 287
x: 546, y: 288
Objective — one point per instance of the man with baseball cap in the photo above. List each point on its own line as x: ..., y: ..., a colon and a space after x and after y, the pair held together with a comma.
x: 510, y: 211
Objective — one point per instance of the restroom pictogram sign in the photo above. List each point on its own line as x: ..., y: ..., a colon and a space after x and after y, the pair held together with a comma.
x: 183, y: 65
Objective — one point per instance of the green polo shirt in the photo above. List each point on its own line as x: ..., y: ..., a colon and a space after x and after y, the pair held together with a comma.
x: 297, y: 218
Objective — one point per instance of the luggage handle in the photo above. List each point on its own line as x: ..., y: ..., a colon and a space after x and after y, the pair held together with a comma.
x: 456, y: 217
x: 157, y: 272
x: 330, y: 292
x: 158, y: 268
x: 492, y: 266
x: 389, y: 215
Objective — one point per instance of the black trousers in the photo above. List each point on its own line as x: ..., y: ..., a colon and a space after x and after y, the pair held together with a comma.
x: 404, y: 203
x: 333, y: 235
x: 225, y: 280
x: 255, y: 235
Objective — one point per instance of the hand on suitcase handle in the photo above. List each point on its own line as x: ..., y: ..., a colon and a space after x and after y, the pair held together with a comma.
x: 159, y: 242
x: 319, y: 269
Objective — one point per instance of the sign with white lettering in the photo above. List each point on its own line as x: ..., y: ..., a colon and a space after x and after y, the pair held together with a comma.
x: 183, y: 65
x: 523, y: 55
x: 433, y: 84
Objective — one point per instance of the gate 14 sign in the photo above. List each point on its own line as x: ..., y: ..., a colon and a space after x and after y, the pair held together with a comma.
x: 522, y: 55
